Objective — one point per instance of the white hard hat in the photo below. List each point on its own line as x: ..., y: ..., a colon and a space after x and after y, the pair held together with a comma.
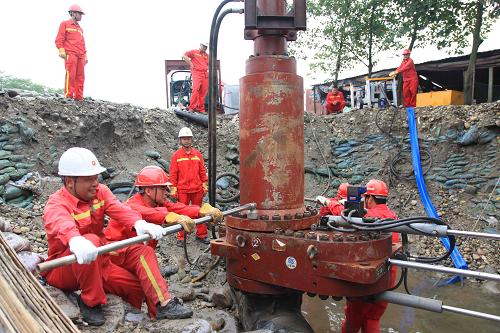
x: 204, y: 43
x: 185, y: 132
x: 78, y: 161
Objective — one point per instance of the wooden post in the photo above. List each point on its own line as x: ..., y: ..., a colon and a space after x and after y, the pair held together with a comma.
x: 490, y: 84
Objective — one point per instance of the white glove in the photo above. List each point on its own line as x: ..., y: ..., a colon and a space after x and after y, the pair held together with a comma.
x: 142, y: 227
x: 322, y: 200
x: 83, y: 249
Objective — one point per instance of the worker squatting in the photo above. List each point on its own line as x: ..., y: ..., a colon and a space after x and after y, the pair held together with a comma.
x: 74, y: 223
x: 361, y: 314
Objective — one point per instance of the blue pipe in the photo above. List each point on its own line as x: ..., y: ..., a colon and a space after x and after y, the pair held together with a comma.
x: 456, y: 256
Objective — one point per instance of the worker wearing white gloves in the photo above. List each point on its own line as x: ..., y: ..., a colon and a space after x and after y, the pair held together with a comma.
x: 74, y: 222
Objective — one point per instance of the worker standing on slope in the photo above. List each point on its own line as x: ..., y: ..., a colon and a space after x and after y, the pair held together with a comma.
x: 198, y: 62
x: 71, y: 46
x: 151, y: 202
x: 335, y: 102
x: 74, y: 222
x: 410, y: 80
x: 189, y: 179
x: 361, y: 314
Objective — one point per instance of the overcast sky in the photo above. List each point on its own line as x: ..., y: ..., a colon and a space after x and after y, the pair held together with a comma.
x: 128, y: 41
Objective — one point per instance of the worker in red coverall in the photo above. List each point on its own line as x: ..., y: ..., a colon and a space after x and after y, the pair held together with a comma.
x: 335, y: 102
x: 74, y: 222
x: 71, y: 46
x: 333, y: 206
x: 152, y: 204
x: 410, y: 80
x: 362, y: 314
x: 188, y: 176
x: 198, y: 62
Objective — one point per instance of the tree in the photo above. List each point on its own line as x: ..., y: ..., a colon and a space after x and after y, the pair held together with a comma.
x: 482, y: 13
x: 344, y: 33
x: 10, y: 82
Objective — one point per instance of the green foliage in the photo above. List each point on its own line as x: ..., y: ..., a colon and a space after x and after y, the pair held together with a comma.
x: 10, y: 82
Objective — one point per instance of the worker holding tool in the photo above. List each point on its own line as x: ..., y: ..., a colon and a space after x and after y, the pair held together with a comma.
x: 74, y: 222
x: 333, y: 206
x: 410, y: 79
x: 362, y: 314
x: 335, y: 102
x: 152, y: 204
x: 189, y: 179
x: 198, y: 62
x: 71, y: 46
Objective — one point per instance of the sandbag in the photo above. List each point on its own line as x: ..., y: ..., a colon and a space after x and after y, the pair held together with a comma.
x: 18, y: 174
x: 30, y: 260
x: 4, y: 179
x: 7, y: 170
x: 4, y: 154
x: 5, y: 164
x: 12, y: 192
x: 17, y: 158
x: 16, y: 242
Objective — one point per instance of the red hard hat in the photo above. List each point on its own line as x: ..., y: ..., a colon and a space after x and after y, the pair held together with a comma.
x: 342, y: 191
x: 76, y: 8
x: 377, y: 187
x: 406, y: 51
x: 152, y: 176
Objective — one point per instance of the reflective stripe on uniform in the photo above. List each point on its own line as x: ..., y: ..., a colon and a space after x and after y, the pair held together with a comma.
x: 152, y: 279
x: 86, y: 214
x: 194, y: 158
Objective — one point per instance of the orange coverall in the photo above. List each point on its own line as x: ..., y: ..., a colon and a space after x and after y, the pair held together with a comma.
x: 70, y: 38
x: 187, y: 174
x: 131, y: 273
x: 410, y: 82
x: 333, y: 208
x: 199, y: 75
x: 117, y: 231
x: 366, y: 315
x: 331, y: 98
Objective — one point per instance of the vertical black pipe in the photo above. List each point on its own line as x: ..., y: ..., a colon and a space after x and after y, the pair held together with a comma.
x: 212, y: 96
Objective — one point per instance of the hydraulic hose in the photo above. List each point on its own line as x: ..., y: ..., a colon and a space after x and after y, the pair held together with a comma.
x: 212, y: 95
x: 456, y: 256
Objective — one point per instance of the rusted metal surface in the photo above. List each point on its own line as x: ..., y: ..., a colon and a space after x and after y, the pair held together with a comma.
x: 325, y: 263
x: 273, y: 249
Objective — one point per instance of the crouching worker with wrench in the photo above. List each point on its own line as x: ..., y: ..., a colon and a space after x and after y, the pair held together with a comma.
x: 74, y: 223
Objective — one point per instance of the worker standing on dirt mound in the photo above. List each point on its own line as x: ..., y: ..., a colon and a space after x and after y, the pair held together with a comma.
x: 335, y: 102
x: 410, y: 79
x: 198, y: 62
x: 189, y: 179
x: 151, y: 202
x: 74, y: 222
x: 360, y: 314
x: 333, y: 206
x: 71, y: 46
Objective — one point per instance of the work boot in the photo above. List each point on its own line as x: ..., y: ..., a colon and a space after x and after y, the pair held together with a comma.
x: 169, y: 270
x: 205, y: 240
x: 91, y: 315
x: 173, y: 310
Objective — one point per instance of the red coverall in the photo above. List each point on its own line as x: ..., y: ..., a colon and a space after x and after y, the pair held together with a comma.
x: 187, y: 174
x: 333, y: 208
x: 331, y: 98
x: 70, y: 38
x: 366, y: 315
x: 199, y: 75
x: 410, y: 82
x: 117, y: 231
x: 131, y: 273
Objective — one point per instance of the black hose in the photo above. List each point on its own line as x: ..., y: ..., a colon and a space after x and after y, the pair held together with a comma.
x: 212, y: 88
x: 235, y: 197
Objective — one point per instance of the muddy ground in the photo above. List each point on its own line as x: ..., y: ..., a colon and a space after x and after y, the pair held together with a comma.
x: 461, y: 148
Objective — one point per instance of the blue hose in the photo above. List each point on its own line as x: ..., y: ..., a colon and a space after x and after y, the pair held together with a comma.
x: 456, y: 256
